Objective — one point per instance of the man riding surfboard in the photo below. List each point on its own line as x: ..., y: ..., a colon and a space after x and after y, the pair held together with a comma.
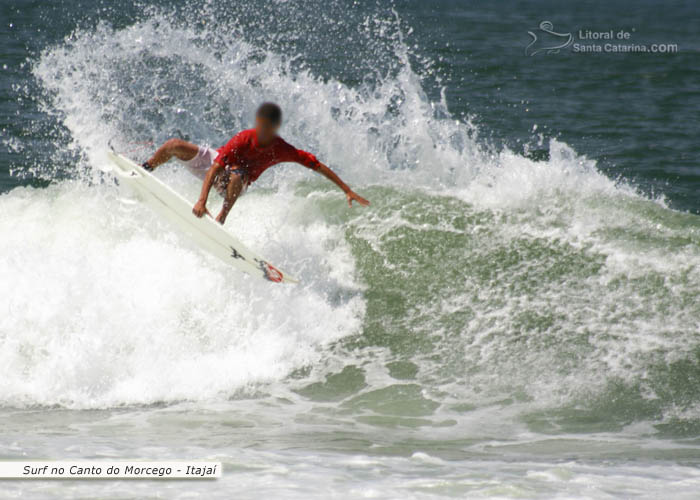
x: 233, y: 167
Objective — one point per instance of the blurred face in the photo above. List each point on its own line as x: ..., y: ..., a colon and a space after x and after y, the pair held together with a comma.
x: 266, y: 129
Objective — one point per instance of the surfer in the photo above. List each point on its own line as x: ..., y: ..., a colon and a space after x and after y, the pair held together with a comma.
x: 232, y: 168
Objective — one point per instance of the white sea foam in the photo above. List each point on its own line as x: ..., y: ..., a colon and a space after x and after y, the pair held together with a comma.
x: 105, y: 305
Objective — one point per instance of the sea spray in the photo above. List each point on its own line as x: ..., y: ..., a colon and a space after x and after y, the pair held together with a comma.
x: 478, y: 275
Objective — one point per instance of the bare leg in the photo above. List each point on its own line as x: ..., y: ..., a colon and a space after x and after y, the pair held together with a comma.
x: 234, y: 188
x: 178, y: 148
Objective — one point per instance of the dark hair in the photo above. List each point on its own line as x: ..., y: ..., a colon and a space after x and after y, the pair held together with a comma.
x: 271, y: 111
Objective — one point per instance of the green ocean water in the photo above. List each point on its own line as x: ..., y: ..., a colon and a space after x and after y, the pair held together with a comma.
x: 516, y: 315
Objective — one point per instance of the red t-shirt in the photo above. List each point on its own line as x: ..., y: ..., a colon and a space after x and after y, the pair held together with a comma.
x: 243, y: 151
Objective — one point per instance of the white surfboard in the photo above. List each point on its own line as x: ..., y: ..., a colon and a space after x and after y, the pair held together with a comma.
x: 206, y: 232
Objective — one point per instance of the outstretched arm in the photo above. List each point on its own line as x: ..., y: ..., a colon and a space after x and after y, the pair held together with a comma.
x: 333, y: 177
x: 200, y: 208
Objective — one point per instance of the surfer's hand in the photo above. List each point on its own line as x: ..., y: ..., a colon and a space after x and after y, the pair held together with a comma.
x: 353, y: 196
x: 199, y: 209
